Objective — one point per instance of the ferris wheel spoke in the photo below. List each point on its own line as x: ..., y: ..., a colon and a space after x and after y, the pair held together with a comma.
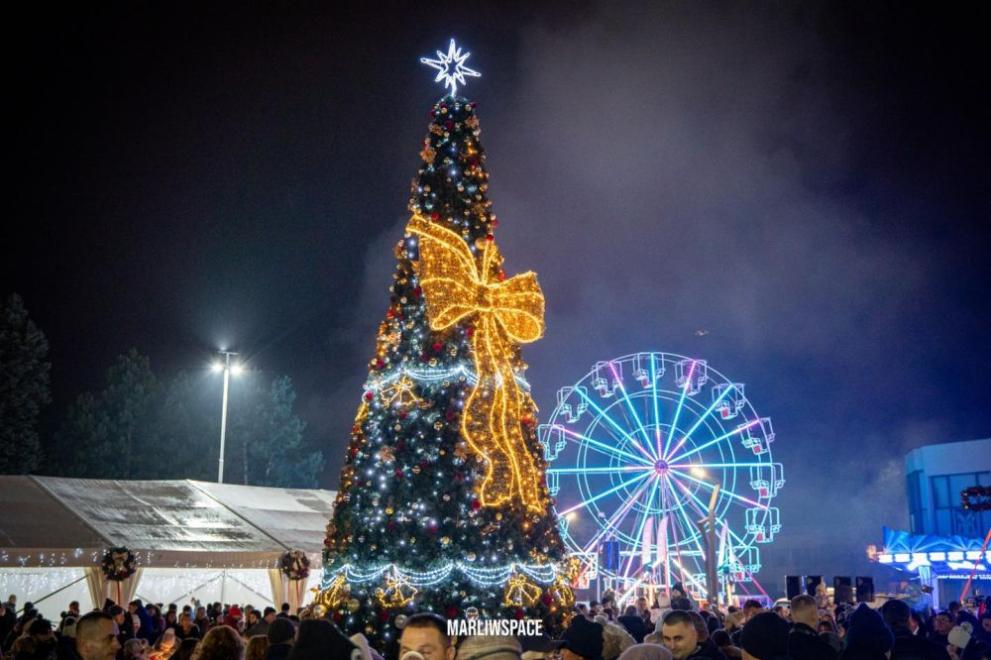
x: 604, y: 415
x: 725, y: 436
x: 603, y: 447
x: 653, y: 396
x: 722, y: 492
x: 690, y: 528
x: 702, y: 418
x: 606, y: 493
x: 681, y: 402
x: 715, y: 465
x: 616, y: 518
x: 600, y: 470
x: 629, y: 404
x: 640, y: 524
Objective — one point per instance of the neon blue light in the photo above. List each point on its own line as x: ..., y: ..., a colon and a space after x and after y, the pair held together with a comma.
x: 701, y: 419
x: 602, y: 458
x: 604, y: 415
x: 605, y: 494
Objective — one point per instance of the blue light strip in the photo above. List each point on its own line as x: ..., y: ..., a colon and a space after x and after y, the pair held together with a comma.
x: 702, y: 418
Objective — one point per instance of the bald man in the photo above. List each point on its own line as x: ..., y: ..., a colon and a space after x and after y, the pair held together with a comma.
x: 95, y: 638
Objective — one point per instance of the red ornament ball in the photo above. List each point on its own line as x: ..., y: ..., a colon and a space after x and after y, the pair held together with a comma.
x: 519, y: 613
x: 338, y: 617
x: 369, y: 396
x: 435, y: 216
x: 476, y: 505
x: 438, y: 346
x: 383, y: 616
x: 451, y: 612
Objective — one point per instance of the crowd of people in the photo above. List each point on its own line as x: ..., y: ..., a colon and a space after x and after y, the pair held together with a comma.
x: 806, y: 628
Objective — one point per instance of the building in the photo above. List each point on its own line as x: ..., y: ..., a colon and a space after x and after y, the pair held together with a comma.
x: 947, y: 544
x: 936, y: 475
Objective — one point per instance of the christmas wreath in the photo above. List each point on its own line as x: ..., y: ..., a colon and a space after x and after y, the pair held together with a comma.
x: 976, y: 498
x: 295, y: 565
x: 118, y: 564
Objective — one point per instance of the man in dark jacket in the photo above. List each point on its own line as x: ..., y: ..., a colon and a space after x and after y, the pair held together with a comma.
x: 803, y: 640
x: 896, y: 614
x: 634, y: 623
x: 281, y: 634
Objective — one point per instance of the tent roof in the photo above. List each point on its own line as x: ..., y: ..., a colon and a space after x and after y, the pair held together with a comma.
x: 69, y: 522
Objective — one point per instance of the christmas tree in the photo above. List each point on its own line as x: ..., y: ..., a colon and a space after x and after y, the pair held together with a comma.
x: 443, y: 505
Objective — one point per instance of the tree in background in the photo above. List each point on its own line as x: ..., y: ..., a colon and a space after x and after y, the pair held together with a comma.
x: 24, y: 387
x: 443, y: 504
x: 112, y: 433
x: 139, y: 428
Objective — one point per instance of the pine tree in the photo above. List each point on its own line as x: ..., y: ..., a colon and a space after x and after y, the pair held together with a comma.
x: 24, y: 387
x: 443, y: 505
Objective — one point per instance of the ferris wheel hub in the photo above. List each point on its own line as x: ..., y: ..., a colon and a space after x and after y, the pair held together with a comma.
x: 661, y: 467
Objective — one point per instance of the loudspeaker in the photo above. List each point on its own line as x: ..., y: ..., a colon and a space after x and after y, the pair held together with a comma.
x: 865, y: 589
x: 793, y: 586
x: 842, y: 589
x: 811, y: 582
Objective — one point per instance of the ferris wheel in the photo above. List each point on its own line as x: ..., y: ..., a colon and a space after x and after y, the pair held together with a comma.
x: 655, y: 458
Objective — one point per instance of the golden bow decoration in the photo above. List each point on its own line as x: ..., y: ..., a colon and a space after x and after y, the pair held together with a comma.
x: 457, y: 287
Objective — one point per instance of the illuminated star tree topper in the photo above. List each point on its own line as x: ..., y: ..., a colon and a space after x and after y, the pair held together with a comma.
x: 451, y: 67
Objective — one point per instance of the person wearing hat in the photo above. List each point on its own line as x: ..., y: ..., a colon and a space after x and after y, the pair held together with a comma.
x: 964, y: 645
x: 867, y: 637
x: 489, y: 647
x: 765, y: 637
x: 582, y: 640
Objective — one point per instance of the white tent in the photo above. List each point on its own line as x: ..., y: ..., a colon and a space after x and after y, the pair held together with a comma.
x: 192, y: 539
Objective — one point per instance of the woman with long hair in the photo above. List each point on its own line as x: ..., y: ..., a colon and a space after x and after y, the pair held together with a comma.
x: 221, y: 643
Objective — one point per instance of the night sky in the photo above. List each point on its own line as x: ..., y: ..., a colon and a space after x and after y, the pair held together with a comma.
x: 796, y: 193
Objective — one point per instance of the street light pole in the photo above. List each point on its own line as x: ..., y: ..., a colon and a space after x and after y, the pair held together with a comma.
x: 226, y: 366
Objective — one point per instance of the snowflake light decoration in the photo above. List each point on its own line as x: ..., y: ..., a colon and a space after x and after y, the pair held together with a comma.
x: 451, y: 67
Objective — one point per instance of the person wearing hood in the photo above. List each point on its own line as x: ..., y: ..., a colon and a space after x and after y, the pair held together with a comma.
x: 765, y: 637
x: 803, y: 640
x: 582, y: 640
x: 867, y: 636
x: 145, y: 624
x: 908, y: 645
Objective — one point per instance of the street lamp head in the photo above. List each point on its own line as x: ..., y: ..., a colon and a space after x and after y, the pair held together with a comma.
x: 236, y: 369
x: 217, y: 366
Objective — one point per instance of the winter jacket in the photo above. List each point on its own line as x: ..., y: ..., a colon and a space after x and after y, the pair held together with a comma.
x: 805, y: 643
x: 278, y: 652
x: 915, y: 647
x: 635, y: 626
x: 707, y: 650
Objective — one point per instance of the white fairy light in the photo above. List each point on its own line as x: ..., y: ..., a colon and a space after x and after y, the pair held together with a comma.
x: 450, y: 67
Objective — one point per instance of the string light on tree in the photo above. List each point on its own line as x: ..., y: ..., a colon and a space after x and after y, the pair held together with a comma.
x: 443, y: 499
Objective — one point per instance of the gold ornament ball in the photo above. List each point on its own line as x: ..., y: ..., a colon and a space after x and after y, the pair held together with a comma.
x: 354, y: 605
